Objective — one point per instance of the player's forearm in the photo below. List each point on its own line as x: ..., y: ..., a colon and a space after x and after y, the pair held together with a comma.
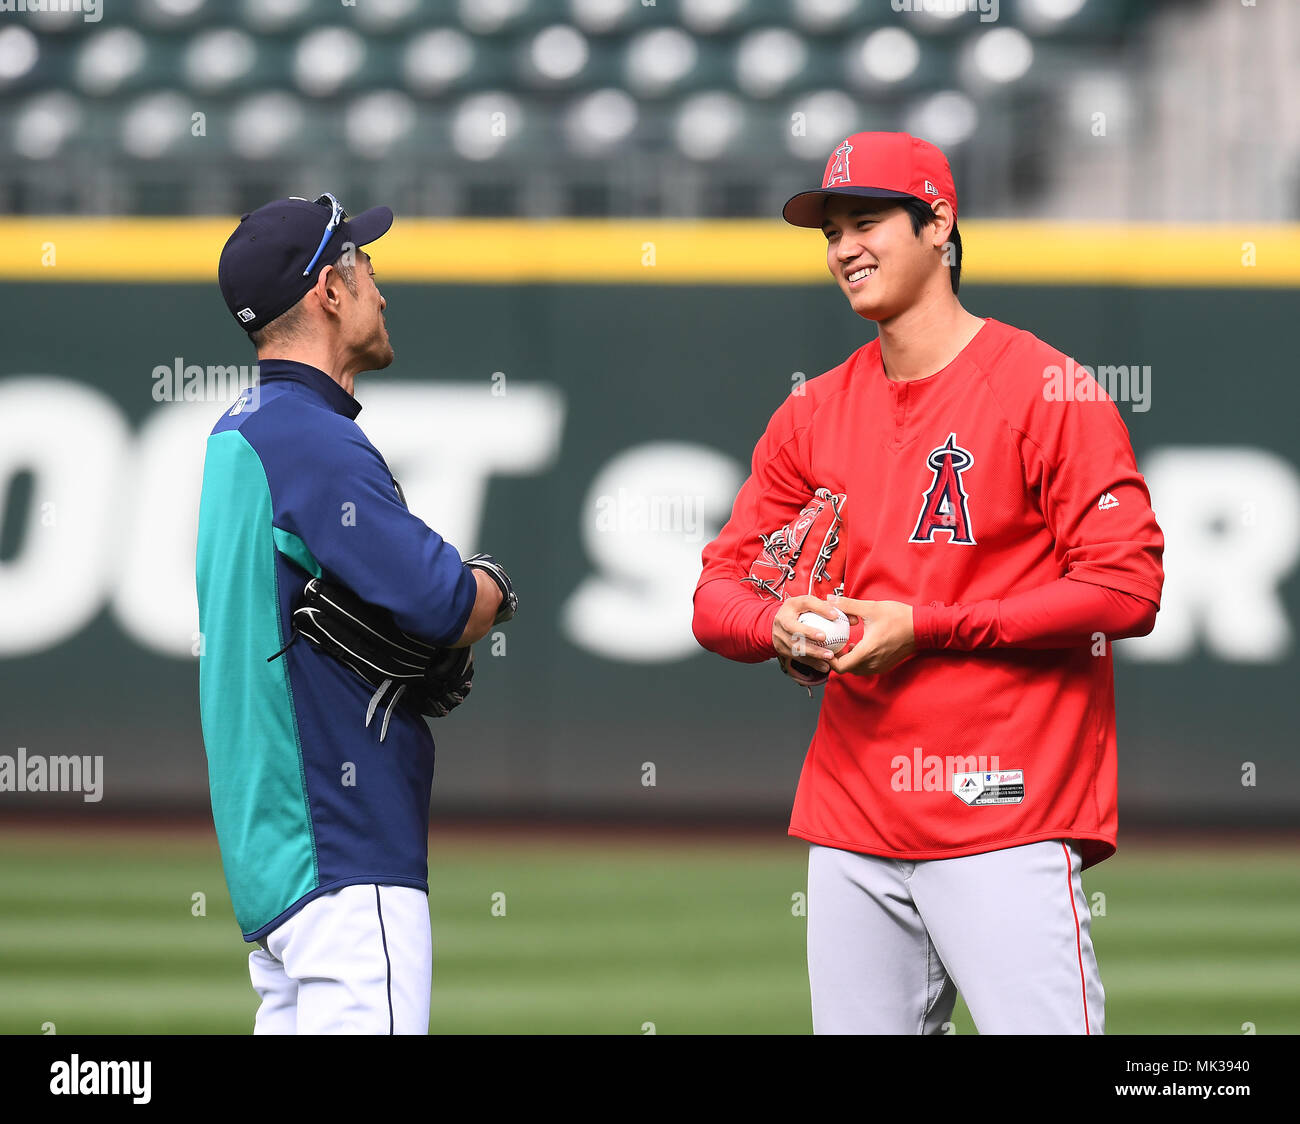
x: 486, y: 604
x: 731, y: 620
x: 1060, y: 615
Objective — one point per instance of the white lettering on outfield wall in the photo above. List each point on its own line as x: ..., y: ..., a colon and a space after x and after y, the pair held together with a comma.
x: 646, y: 517
x: 114, y: 516
x: 116, y: 520
x: 76, y: 443
x: 1231, y: 518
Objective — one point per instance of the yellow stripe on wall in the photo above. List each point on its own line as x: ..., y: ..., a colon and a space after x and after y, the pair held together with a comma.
x: 733, y: 252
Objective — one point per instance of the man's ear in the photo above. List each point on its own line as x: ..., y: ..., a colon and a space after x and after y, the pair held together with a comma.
x: 942, y: 224
x: 328, y: 289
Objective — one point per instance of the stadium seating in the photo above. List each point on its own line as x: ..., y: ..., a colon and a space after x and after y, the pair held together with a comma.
x: 547, y: 106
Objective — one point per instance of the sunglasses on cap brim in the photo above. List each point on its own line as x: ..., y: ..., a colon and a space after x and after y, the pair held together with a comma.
x: 337, y: 215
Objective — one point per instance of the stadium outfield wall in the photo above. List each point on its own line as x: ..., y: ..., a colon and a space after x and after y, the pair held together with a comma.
x: 581, y: 399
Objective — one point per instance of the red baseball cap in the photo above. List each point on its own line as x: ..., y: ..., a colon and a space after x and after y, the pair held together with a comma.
x: 877, y: 165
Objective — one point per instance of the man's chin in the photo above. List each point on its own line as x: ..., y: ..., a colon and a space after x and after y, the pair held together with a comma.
x: 869, y: 309
x: 885, y: 304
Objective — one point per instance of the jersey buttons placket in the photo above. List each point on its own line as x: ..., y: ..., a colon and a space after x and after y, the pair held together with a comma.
x: 898, y: 401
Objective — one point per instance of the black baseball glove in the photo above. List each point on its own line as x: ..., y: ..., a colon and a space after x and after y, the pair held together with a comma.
x: 432, y: 680
x: 497, y: 572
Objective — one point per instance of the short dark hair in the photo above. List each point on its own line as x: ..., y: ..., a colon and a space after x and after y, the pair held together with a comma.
x: 288, y: 324
x: 920, y: 212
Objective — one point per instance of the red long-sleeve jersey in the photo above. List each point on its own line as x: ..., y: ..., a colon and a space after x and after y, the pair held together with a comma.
x: 988, y: 503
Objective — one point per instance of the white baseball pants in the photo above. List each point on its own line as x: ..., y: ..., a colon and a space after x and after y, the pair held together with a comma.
x: 358, y: 960
x: 891, y: 943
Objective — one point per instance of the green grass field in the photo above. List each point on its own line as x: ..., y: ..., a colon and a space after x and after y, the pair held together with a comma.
x: 97, y: 935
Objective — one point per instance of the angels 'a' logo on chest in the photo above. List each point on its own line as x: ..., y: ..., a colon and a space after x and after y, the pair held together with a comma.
x: 944, y: 506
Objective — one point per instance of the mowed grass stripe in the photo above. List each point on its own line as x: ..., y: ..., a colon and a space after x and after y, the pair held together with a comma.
x: 545, y: 1010
x: 1206, y: 975
x: 493, y: 938
x: 1210, y: 916
x: 101, y: 932
x: 1248, y: 949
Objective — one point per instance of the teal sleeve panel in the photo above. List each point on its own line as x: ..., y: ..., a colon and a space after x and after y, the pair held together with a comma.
x: 250, y: 731
x: 293, y: 548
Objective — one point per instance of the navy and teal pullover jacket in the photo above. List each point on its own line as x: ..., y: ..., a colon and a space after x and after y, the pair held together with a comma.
x: 305, y: 798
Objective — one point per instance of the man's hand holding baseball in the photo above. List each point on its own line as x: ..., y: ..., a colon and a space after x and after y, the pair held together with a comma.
x: 794, y: 640
x: 887, y: 638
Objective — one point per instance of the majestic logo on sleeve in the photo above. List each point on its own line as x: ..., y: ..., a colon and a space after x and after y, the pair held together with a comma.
x: 945, y: 507
x: 839, y: 171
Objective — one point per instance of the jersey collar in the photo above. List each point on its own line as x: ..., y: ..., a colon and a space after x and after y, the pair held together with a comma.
x: 338, y: 399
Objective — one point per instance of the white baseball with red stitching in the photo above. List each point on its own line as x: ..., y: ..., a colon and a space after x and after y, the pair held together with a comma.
x: 837, y: 631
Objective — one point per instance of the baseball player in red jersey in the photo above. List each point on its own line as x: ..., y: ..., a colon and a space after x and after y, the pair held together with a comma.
x: 996, y: 541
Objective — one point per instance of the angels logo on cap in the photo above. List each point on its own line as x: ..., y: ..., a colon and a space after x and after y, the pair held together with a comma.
x: 885, y: 165
x: 838, y: 171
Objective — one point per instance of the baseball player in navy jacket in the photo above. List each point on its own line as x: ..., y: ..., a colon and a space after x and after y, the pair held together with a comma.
x: 323, y: 828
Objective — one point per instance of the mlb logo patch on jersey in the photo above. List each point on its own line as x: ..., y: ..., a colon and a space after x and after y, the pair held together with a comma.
x: 1004, y: 786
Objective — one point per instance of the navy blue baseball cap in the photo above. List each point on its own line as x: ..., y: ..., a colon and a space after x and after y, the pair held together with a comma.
x: 277, y: 252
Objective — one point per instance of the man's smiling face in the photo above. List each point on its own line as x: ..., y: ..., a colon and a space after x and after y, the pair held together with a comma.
x: 875, y: 257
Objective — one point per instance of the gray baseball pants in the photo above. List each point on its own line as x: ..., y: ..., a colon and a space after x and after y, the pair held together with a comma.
x: 892, y: 942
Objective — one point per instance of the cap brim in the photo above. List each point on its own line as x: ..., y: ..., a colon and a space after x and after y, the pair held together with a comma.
x: 370, y: 225
x: 807, y: 208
